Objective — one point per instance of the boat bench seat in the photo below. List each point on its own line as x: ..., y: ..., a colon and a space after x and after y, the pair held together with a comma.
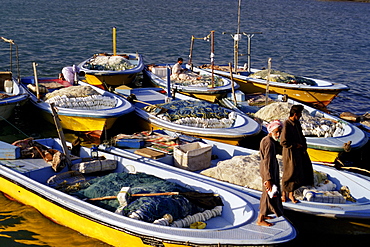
x: 25, y: 166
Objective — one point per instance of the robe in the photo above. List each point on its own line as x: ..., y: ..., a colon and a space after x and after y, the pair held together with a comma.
x: 297, y: 166
x: 177, y: 69
x: 269, y: 170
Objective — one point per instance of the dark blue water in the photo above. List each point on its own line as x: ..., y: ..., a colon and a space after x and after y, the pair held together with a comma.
x: 320, y: 39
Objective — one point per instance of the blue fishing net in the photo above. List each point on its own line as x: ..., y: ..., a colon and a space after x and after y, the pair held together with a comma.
x: 190, y: 108
x: 149, y: 208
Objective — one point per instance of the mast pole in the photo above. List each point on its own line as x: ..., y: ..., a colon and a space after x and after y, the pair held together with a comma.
x: 191, y: 52
x: 114, y: 38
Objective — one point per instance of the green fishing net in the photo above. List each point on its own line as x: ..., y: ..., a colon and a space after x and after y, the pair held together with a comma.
x: 278, y: 76
x: 149, y: 207
x: 189, y: 108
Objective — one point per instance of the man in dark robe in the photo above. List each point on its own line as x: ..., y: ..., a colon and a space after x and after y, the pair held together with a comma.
x: 297, y: 165
x: 270, y: 202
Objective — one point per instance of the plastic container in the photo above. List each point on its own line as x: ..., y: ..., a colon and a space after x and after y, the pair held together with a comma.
x: 130, y: 143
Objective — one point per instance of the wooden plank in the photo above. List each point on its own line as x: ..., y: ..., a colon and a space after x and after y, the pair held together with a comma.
x: 146, y: 152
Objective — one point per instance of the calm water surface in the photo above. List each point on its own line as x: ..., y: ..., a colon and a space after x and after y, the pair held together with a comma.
x: 319, y: 39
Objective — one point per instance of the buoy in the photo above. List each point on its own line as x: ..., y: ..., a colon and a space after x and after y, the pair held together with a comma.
x: 198, y: 225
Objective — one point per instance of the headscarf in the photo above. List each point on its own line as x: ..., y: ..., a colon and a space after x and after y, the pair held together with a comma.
x: 273, y: 125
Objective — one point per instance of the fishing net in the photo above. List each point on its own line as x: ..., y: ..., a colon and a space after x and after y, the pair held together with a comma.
x: 148, y: 208
x: 103, y: 62
x: 199, y: 114
x: 79, y: 97
x: 68, y: 182
x: 72, y: 92
x: 241, y: 170
x: 278, y: 76
x: 311, y: 125
x: 151, y: 208
x: 195, y: 80
x: 189, y: 108
x: 244, y: 171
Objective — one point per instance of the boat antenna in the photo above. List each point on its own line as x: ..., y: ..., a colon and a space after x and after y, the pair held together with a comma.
x: 237, y: 38
x: 249, y: 36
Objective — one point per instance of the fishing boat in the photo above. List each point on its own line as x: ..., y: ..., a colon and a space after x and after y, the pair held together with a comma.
x: 11, y: 94
x: 34, y: 183
x: 205, y: 126
x: 307, y: 90
x: 80, y: 107
x: 327, y: 136
x: 198, y: 85
x: 238, y: 168
x: 109, y: 70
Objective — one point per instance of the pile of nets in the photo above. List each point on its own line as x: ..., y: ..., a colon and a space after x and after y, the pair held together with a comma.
x: 278, y: 76
x: 195, y: 80
x: 324, y: 191
x: 113, y: 63
x: 196, y: 114
x: 311, y: 125
x: 149, y: 208
x: 79, y: 97
x: 243, y: 170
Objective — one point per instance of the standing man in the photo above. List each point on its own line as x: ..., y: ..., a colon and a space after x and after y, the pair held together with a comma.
x: 298, y: 169
x: 270, y: 201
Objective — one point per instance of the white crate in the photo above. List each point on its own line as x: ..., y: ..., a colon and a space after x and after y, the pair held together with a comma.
x: 193, y: 156
x: 161, y: 72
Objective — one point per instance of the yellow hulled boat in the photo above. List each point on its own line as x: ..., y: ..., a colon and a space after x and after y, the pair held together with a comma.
x: 92, y: 110
x: 34, y: 183
x: 317, y: 92
x: 112, y: 70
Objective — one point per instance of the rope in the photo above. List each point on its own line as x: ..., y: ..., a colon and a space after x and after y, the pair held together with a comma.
x: 14, y: 127
x: 202, y: 216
